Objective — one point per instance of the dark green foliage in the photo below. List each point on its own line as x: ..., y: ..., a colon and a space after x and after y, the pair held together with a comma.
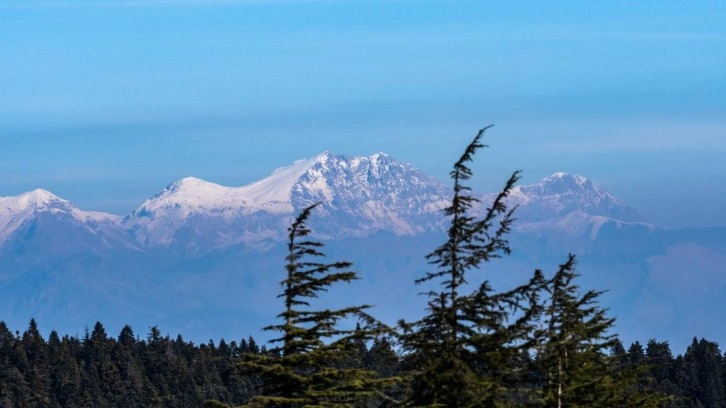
x: 701, y: 376
x: 660, y: 369
x: 100, y: 371
x: 636, y: 354
x: 466, y: 350
x: 311, y: 366
x: 175, y: 373
x: 582, y: 362
x: 574, y: 356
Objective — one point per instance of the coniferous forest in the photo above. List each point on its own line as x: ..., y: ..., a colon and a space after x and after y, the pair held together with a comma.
x: 154, y: 370
x: 545, y: 343
x: 127, y: 370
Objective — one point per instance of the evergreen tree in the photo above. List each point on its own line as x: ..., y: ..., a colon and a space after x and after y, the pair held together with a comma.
x: 636, y: 354
x: 305, y: 368
x: 619, y: 355
x: 36, y: 372
x: 660, y: 368
x: 385, y: 362
x: 578, y: 370
x: 13, y: 364
x: 463, y: 352
x: 702, y: 376
x: 125, y: 356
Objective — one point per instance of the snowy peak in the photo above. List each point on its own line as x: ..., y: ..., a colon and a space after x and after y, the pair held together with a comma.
x: 189, y: 183
x: 16, y: 211
x: 359, y: 195
x: 326, y: 178
x: 41, y: 201
x: 561, y: 183
x: 37, y: 200
x: 560, y: 194
x: 347, y: 182
x: 364, y: 194
x: 273, y: 193
x: 189, y: 192
x: 192, y: 196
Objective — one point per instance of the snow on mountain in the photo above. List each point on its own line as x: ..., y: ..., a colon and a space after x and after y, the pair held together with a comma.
x: 571, y: 207
x: 370, y: 194
x: 359, y: 196
x: 274, y: 193
x: 191, y: 195
x: 19, y: 210
x: 561, y: 194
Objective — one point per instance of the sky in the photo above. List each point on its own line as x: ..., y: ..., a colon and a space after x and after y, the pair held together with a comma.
x: 105, y: 102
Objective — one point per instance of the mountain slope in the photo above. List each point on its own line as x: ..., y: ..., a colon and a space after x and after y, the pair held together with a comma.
x: 42, y: 225
x: 561, y: 194
x: 359, y: 196
x: 19, y: 210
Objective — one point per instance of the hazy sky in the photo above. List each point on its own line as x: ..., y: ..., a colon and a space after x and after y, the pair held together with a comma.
x: 105, y: 102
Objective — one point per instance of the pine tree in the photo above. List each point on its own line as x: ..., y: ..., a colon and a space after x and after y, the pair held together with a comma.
x: 464, y: 351
x: 702, y: 364
x: 574, y: 358
x: 36, y: 373
x: 660, y: 368
x: 305, y: 368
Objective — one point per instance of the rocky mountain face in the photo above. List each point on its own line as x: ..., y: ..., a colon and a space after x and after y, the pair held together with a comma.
x: 562, y: 194
x: 359, y: 196
x: 204, y: 258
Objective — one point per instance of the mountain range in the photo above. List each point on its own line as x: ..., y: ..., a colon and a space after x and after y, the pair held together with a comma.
x: 204, y: 260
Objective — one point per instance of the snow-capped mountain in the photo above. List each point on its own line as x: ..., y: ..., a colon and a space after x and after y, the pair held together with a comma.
x: 196, y: 255
x: 359, y: 196
x: 40, y: 224
x: 571, y: 210
x: 17, y: 211
x: 561, y: 194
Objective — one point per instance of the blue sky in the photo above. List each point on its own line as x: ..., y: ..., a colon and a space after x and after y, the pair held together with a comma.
x: 105, y: 102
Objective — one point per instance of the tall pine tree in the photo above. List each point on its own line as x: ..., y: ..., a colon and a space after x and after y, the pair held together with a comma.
x: 575, y: 358
x: 307, y: 367
x: 463, y: 349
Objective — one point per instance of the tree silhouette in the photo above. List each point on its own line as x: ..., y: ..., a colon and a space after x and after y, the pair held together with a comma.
x: 463, y: 349
x: 307, y: 367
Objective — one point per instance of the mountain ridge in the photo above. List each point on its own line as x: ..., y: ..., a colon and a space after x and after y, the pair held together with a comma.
x: 199, y: 255
x: 359, y: 194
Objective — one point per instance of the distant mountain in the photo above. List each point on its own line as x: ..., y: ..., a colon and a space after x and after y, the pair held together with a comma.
x: 569, y: 213
x: 562, y: 194
x: 359, y: 196
x: 16, y: 212
x: 41, y: 224
x: 205, y: 259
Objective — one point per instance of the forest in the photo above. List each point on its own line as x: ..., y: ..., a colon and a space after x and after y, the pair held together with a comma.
x: 545, y: 343
x: 99, y: 370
